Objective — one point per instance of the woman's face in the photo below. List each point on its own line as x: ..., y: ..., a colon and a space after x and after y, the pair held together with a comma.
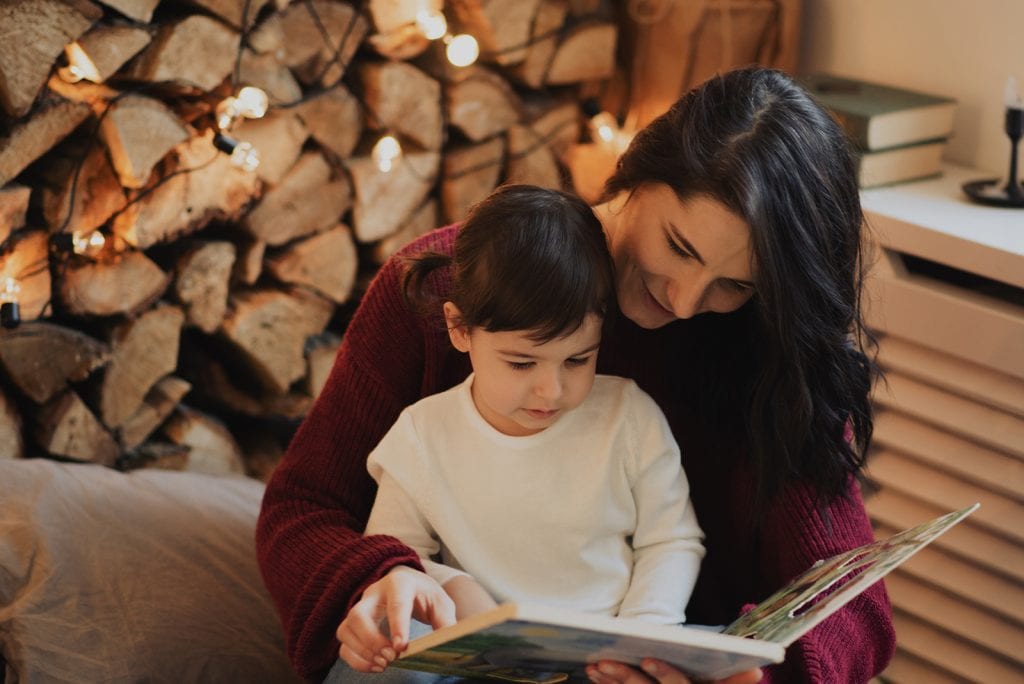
x: 676, y: 259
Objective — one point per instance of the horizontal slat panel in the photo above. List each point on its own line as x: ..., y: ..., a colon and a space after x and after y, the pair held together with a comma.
x: 990, y: 551
x: 951, y: 653
x: 997, y: 429
x: 894, y: 471
x: 908, y: 669
x: 959, y: 617
x: 955, y: 375
x: 961, y: 458
x: 963, y: 578
x: 953, y: 320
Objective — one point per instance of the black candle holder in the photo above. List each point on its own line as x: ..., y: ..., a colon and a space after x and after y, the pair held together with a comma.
x: 989, y: 191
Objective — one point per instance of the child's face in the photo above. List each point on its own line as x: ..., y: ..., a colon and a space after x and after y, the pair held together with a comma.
x: 522, y: 387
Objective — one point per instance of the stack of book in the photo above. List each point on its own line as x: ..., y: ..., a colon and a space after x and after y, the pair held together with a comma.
x: 900, y: 134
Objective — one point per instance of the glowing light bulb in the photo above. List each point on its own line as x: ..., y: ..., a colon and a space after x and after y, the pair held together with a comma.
x: 252, y: 102
x: 432, y: 23
x: 10, y: 309
x: 242, y: 153
x: 80, y: 67
x: 462, y: 50
x: 386, y: 152
x: 604, y: 126
x: 88, y: 245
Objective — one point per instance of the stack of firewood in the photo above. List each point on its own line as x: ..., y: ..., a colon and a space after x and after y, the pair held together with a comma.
x: 167, y: 301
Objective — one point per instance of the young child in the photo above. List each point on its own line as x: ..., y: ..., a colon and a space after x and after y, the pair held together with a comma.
x: 536, y: 480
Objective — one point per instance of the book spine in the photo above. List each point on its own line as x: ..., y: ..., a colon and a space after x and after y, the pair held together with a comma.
x: 856, y: 127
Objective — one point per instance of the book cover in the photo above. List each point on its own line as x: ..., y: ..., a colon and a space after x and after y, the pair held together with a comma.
x: 877, y: 117
x: 543, y: 645
x: 899, y: 164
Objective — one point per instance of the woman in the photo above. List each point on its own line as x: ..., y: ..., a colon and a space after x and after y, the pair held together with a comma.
x: 735, y: 224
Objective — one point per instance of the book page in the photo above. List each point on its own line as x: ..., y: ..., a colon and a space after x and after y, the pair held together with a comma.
x: 795, y: 609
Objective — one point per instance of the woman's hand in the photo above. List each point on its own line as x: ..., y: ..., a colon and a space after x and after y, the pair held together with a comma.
x: 609, y: 672
x: 401, y: 594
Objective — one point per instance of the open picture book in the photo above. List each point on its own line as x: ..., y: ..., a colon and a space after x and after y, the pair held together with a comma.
x: 541, y: 644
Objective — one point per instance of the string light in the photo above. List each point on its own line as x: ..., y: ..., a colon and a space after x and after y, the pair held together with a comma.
x: 250, y: 103
x: 462, y: 50
x: 431, y: 23
x: 79, y: 67
x: 242, y: 154
x: 89, y: 244
x: 604, y: 127
x: 10, y: 309
x: 386, y: 152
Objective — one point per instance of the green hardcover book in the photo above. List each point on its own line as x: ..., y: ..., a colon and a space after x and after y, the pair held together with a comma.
x: 878, y: 117
x: 899, y: 164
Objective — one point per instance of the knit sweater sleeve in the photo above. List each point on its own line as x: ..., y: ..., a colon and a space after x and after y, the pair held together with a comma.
x: 857, y: 642
x: 313, y: 557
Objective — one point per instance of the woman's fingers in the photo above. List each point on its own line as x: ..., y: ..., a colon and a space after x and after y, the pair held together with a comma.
x: 356, y: 661
x: 610, y: 672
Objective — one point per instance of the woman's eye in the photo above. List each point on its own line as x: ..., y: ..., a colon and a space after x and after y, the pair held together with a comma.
x: 737, y: 286
x: 520, y: 365
x: 676, y: 248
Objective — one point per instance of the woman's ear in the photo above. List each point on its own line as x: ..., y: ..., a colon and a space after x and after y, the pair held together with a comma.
x: 457, y: 330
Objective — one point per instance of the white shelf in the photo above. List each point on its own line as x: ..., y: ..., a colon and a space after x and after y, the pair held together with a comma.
x: 935, y: 220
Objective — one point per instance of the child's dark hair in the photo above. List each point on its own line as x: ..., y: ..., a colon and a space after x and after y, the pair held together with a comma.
x: 526, y: 258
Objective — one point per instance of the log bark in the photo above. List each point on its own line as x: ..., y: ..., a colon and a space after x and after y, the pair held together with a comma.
x: 29, y: 139
x: 218, y: 386
x: 482, y: 104
x: 213, y: 188
x: 278, y: 137
x: 389, y: 15
x: 155, y: 455
x: 124, y: 285
x: 66, y: 427
x: 501, y: 28
x: 139, y: 131
x: 269, y: 328
x: 249, y: 263
x: 231, y: 11
x: 143, y: 350
x: 98, y: 194
x: 266, y: 72
x: 305, y: 202
x: 13, y: 205
x: 530, y: 160
x: 544, y: 35
x: 384, y: 201
x: 139, y: 10
x: 27, y: 261
x: 12, y: 444
x: 105, y: 49
x: 423, y: 220
x: 404, y: 99
x: 471, y: 172
x: 326, y: 263
x: 41, y: 359
x: 294, y: 35
x: 34, y: 34
x: 212, y: 448
x: 557, y: 123
x: 586, y: 53
x: 320, y: 354
x: 196, y: 52
x: 156, y: 406
x: 202, y: 276
x: 334, y: 120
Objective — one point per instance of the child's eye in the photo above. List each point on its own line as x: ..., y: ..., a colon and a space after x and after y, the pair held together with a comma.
x: 577, y: 361
x: 520, y: 365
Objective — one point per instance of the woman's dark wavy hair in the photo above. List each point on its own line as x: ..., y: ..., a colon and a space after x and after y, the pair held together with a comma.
x: 526, y: 258
x: 796, y: 364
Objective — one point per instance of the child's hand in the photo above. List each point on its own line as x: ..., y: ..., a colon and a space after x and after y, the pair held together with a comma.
x: 399, y: 595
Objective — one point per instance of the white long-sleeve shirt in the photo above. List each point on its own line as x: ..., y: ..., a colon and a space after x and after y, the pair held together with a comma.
x: 592, y: 513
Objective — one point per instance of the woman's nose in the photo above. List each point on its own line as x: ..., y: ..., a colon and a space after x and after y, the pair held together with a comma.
x: 686, y: 299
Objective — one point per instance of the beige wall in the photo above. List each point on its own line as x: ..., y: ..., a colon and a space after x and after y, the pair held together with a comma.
x: 963, y: 49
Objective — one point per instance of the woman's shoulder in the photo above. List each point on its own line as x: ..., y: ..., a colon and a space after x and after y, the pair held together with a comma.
x: 440, y: 240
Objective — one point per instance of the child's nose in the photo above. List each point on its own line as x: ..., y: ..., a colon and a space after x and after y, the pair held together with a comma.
x: 549, y: 386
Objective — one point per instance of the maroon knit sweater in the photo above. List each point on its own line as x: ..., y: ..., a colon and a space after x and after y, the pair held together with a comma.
x: 316, y: 564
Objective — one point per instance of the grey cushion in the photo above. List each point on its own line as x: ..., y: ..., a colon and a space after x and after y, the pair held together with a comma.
x: 149, y: 576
